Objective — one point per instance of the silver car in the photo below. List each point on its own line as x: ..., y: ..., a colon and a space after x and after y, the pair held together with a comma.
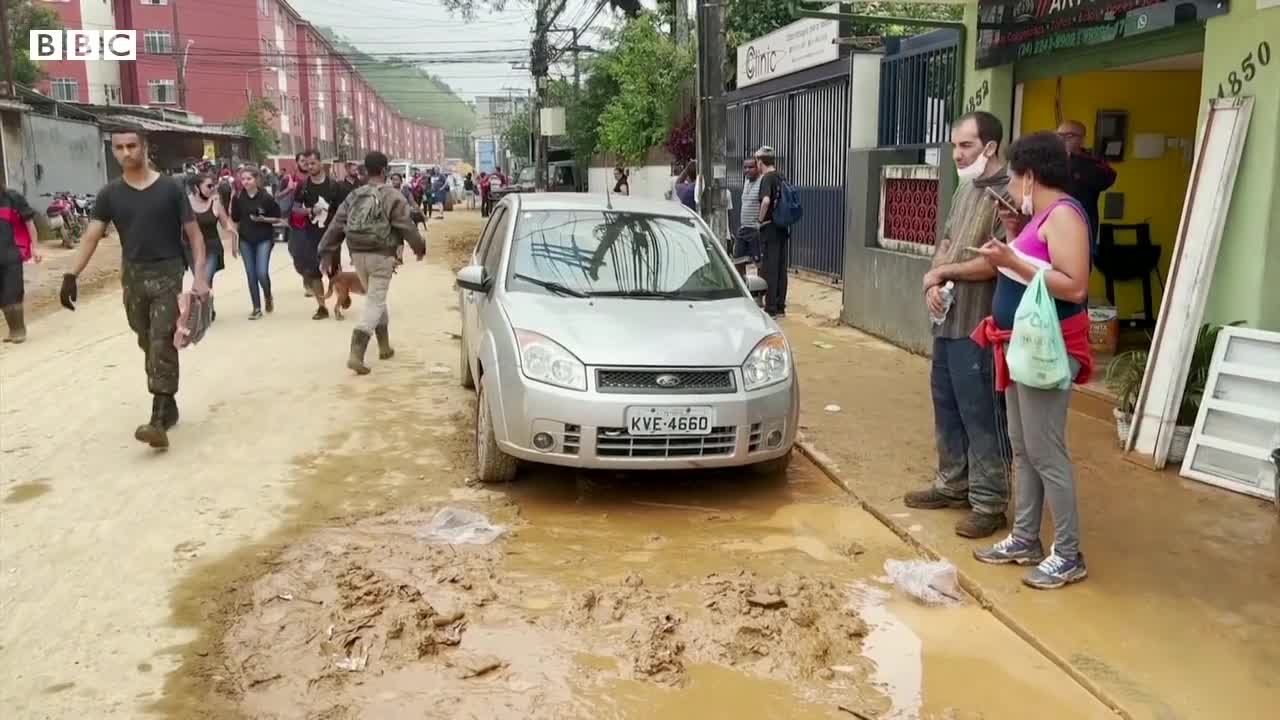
x: 613, y: 332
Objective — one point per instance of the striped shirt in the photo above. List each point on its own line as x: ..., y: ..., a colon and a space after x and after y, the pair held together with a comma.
x: 750, y: 203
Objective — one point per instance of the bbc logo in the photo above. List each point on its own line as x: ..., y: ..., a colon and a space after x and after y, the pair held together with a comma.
x: 84, y: 45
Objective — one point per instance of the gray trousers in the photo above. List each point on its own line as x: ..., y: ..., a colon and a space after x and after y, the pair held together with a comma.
x: 375, y: 272
x: 1042, y: 465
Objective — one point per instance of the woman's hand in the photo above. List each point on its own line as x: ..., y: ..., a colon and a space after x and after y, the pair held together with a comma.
x: 1013, y: 222
x: 999, y: 254
x: 36, y: 257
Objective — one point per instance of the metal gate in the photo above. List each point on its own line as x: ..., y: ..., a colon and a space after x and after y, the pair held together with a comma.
x: 808, y: 128
x: 920, y: 90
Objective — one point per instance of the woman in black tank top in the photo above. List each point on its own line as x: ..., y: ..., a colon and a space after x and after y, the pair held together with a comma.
x: 209, y: 212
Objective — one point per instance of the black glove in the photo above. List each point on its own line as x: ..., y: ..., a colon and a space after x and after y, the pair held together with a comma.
x: 70, y: 293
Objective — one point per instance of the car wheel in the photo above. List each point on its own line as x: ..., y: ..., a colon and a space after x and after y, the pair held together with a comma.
x: 776, y: 466
x: 493, y: 465
x: 468, y: 380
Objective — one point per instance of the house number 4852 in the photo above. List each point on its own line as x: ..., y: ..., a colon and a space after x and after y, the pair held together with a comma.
x: 1248, y: 71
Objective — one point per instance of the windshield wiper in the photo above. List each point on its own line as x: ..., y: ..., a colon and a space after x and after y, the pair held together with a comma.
x: 554, y: 287
x: 660, y: 294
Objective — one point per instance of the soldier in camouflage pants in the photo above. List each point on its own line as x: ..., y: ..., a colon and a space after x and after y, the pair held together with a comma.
x: 151, y: 304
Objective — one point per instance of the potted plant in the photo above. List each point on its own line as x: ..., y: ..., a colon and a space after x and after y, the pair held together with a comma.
x: 1124, y: 378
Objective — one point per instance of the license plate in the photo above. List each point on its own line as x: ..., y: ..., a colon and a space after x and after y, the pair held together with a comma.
x: 670, y: 420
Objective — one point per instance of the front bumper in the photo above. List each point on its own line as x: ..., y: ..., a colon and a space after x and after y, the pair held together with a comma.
x: 588, y: 428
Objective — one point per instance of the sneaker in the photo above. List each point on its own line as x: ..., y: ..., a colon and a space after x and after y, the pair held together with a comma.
x: 979, y: 525
x: 256, y: 314
x: 269, y: 302
x: 931, y: 499
x: 1056, y: 571
x: 322, y: 313
x: 1011, y: 550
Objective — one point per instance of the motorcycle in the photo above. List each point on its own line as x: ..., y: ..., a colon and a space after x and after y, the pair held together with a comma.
x: 63, y: 217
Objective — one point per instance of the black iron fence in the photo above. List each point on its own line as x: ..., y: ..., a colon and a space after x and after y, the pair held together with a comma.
x: 920, y: 84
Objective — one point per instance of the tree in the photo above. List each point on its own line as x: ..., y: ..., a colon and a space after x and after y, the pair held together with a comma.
x: 344, y: 136
x: 256, y: 125
x: 25, y: 16
x: 516, y: 135
x: 648, y: 68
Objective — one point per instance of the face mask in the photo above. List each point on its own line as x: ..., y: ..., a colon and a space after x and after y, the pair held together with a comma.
x: 1028, y: 207
x: 974, y: 171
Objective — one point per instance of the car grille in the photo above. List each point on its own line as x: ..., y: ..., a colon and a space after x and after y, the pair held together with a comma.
x: 755, y: 438
x: 617, y: 442
x: 572, y: 439
x: 684, y: 382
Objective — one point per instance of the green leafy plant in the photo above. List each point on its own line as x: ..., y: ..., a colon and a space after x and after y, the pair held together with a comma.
x: 344, y: 134
x: 648, y: 68
x: 25, y: 16
x: 256, y: 125
x: 1125, y: 373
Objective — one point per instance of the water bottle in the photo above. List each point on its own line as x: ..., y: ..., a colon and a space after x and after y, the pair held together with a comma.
x: 948, y: 297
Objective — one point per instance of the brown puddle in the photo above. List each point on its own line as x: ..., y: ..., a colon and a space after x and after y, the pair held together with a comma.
x: 27, y: 491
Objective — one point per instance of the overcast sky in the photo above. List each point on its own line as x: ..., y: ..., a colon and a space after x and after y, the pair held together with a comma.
x: 417, y: 26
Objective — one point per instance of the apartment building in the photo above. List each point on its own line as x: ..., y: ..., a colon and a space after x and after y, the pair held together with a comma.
x: 228, y: 53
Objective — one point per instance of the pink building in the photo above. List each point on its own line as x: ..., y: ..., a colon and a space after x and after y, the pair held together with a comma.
x: 235, y: 51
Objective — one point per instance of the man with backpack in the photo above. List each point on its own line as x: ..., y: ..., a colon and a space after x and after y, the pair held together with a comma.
x: 375, y: 221
x: 779, y: 210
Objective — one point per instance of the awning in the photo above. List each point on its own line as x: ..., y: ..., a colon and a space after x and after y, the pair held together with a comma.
x: 154, y: 125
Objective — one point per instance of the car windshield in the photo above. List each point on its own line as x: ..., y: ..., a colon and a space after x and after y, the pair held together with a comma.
x: 617, y: 254
x: 527, y: 175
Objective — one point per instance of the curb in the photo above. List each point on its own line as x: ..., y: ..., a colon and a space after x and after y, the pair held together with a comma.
x: 967, y: 583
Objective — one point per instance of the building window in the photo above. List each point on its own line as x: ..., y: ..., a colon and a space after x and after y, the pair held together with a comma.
x: 112, y: 94
x: 65, y: 89
x: 157, y: 42
x: 162, y: 92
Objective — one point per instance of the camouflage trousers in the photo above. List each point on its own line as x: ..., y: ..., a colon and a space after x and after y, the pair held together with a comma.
x: 151, y: 304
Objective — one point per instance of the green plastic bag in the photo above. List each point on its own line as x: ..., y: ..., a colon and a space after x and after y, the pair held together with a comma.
x: 1037, y: 354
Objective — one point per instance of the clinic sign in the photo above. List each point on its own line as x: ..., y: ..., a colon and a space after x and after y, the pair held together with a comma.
x: 83, y: 45
x: 800, y: 45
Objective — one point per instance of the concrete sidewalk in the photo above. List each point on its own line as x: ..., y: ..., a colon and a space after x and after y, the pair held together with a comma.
x: 1180, y: 616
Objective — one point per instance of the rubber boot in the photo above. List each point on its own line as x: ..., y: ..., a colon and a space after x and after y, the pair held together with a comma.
x: 153, y: 433
x: 385, y: 351
x: 13, y: 315
x: 170, y: 411
x: 359, y: 344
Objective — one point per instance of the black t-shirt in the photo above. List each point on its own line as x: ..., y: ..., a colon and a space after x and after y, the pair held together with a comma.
x: 311, y: 193
x: 243, y: 207
x: 149, y: 220
x: 770, y: 187
x: 14, y: 211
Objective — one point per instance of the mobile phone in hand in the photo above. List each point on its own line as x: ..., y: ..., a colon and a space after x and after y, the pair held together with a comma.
x: 1002, y: 200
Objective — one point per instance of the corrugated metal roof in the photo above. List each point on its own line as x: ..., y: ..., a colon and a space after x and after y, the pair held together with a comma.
x: 153, y: 125
x: 8, y: 104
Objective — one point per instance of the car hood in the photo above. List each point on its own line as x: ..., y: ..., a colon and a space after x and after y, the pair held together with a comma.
x: 632, y: 332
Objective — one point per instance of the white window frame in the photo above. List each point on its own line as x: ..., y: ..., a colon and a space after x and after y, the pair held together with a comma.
x: 153, y: 85
x: 155, y: 2
x: 162, y: 40
x: 72, y: 83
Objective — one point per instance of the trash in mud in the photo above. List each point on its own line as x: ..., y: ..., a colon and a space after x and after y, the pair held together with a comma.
x: 832, y: 408
x: 933, y: 582
x: 456, y: 526
x: 822, y: 345
x: 441, y: 370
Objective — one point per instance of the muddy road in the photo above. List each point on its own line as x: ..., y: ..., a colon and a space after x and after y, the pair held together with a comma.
x: 274, y: 563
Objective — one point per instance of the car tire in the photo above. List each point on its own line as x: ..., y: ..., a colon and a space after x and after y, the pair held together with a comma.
x: 468, y: 381
x: 492, y: 465
x: 777, y: 466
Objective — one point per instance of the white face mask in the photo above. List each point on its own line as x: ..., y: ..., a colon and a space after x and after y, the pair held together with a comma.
x: 1028, y: 207
x: 975, y: 170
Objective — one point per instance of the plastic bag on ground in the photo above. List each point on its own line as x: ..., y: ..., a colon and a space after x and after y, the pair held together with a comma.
x: 457, y: 526
x: 932, y: 582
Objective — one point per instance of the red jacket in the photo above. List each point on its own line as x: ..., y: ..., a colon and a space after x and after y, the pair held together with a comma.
x: 1075, y: 335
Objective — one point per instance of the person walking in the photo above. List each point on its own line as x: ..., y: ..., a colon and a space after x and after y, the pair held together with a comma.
x: 209, y: 213
x: 289, y: 183
x: 485, y: 202
x: 469, y: 191
x: 256, y: 213
x: 152, y: 216
x: 1055, y: 241
x: 746, y: 246
x: 686, y: 187
x: 18, y: 244
x: 439, y: 188
x: 313, y: 208
x: 970, y: 431
x: 621, y: 181
x: 773, y: 237
x: 374, y: 220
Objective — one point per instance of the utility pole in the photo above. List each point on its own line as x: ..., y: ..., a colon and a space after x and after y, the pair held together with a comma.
x: 710, y: 117
x: 680, y: 9
x: 6, y: 55
x: 179, y: 58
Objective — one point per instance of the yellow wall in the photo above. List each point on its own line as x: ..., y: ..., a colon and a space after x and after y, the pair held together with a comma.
x: 1162, y: 102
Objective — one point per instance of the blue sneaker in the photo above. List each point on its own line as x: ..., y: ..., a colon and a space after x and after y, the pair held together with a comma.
x: 1056, y: 571
x: 1011, y: 550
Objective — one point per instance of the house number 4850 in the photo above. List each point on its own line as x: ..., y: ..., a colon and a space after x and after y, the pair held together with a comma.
x: 1248, y: 71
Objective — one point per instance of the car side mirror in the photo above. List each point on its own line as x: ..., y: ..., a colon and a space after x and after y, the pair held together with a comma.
x: 757, y: 285
x: 474, y: 278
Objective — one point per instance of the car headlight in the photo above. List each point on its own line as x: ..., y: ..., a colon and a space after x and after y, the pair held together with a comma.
x: 544, y: 360
x: 768, y: 364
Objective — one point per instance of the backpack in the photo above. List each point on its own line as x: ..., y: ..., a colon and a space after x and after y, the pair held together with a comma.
x: 368, y: 225
x: 788, y: 211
